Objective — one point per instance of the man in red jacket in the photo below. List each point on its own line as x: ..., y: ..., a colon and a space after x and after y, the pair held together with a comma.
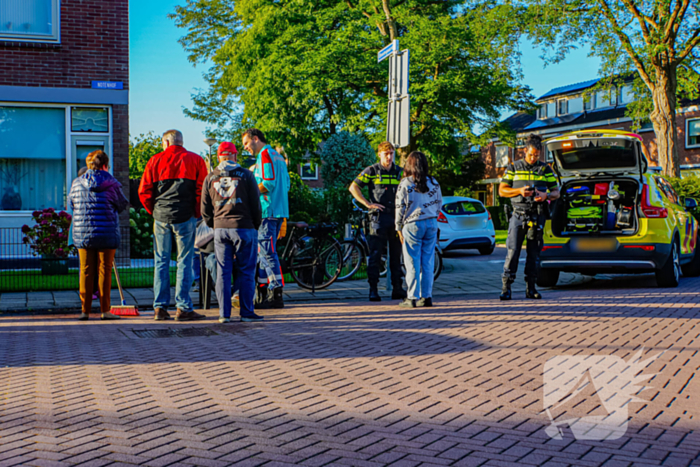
x: 171, y: 189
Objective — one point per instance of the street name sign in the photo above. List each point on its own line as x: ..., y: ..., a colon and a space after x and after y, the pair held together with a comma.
x: 388, y: 50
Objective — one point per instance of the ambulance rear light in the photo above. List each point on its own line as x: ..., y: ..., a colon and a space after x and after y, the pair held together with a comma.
x: 651, y: 212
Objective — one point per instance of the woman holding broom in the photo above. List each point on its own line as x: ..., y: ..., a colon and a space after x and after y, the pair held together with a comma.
x: 96, y: 199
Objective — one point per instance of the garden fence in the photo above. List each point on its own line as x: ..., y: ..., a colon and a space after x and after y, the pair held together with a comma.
x: 20, y: 271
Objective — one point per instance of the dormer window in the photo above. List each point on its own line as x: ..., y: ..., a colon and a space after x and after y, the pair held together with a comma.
x: 625, y: 95
x: 562, y: 107
x: 542, y: 112
x: 589, y: 102
x: 603, y: 98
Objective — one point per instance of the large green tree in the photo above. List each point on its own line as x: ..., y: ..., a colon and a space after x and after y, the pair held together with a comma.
x: 657, y: 40
x: 303, y: 70
x: 141, y: 149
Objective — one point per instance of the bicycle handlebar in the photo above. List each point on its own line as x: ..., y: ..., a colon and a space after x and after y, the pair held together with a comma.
x: 359, y: 208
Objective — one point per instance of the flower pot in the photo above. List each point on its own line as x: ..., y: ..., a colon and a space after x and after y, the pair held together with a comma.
x: 51, y: 266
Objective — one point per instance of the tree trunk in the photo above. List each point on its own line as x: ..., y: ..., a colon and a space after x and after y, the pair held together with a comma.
x: 664, y: 120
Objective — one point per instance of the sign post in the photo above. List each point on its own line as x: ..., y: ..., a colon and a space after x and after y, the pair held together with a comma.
x: 398, y: 124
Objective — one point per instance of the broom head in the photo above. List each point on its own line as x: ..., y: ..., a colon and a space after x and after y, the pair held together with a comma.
x: 125, y: 310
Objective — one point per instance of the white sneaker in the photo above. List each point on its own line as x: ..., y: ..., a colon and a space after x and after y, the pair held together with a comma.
x: 224, y: 320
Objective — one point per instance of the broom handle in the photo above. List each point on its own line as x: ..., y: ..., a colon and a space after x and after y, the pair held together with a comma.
x: 116, y: 274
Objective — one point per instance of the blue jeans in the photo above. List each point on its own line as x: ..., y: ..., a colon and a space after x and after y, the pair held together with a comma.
x: 419, y: 240
x: 163, y: 234
x: 235, y: 247
x: 270, y: 270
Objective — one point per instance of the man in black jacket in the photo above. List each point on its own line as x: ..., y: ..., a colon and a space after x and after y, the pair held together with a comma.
x: 231, y: 206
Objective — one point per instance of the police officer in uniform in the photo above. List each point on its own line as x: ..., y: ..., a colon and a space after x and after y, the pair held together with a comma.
x: 530, y: 184
x: 382, y: 180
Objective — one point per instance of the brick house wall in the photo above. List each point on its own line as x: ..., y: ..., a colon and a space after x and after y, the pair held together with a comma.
x: 94, y: 46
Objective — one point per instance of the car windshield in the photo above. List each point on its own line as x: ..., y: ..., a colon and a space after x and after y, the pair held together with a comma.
x: 463, y: 208
x: 594, y: 153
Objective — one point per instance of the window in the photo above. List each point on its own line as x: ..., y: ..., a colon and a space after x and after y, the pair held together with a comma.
x: 32, y: 158
x: 481, y: 196
x: 668, y: 190
x: 464, y: 208
x: 625, y: 95
x: 602, y: 99
x: 87, y: 119
x: 29, y: 20
x: 308, y: 172
x: 692, y: 139
x: 589, y: 102
x: 552, y: 109
x: 575, y: 105
x: 542, y: 112
x: 645, y: 126
x: 563, y: 107
x: 502, y: 153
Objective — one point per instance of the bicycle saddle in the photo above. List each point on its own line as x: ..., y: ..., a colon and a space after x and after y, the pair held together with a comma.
x: 298, y: 225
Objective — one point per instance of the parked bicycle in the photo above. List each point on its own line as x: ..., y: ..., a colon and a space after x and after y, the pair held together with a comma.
x: 311, y: 255
x: 356, y: 249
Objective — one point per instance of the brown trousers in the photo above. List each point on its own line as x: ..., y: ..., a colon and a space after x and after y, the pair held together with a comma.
x: 92, y: 263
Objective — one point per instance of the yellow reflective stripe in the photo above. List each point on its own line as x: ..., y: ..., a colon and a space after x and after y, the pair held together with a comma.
x: 530, y: 176
x: 387, y: 181
x: 507, y: 176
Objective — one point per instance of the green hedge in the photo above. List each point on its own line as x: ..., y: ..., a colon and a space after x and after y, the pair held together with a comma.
x: 688, y: 187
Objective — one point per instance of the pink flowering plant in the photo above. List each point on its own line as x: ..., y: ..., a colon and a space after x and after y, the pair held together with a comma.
x: 49, y: 237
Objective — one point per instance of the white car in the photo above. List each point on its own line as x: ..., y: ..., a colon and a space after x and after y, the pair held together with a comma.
x: 465, y: 223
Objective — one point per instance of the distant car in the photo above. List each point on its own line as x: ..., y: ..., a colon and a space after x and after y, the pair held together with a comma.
x: 465, y: 223
x: 615, y: 215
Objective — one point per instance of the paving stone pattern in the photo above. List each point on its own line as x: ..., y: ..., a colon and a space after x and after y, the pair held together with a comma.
x: 348, y: 383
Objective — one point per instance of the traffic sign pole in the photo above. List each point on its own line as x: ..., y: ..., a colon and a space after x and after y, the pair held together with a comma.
x: 398, y: 122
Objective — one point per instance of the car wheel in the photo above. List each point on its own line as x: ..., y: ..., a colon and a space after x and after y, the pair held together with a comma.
x: 670, y: 273
x: 692, y: 269
x: 548, y: 277
x: 487, y: 250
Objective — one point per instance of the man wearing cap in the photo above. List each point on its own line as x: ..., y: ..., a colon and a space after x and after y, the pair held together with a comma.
x: 273, y: 182
x: 231, y: 206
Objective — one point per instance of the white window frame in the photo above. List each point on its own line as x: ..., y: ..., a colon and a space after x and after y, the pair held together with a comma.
x: 687, y: 133
x: 497, y: 158
x: 566, y: 104
x: 55, y: 27
x: 589, y: 104
x: 301, y: 171
x: 69, y: 150
x: 542, y: 112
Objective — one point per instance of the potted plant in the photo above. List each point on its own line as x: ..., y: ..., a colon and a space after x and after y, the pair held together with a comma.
x: 49, y: 239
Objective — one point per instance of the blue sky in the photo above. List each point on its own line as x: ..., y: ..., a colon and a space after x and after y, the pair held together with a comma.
x: 162, y: 80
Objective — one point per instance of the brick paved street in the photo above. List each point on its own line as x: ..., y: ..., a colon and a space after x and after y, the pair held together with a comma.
x: 351, y: 383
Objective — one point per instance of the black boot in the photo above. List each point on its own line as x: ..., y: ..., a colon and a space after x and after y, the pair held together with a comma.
x: 374, y: 294
x: 276, y: 298
x: 506, y: 292
x: 398, y: 293
x: 261, y: 302
x: 531, y: 291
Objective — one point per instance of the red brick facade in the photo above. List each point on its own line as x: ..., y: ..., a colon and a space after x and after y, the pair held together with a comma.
x: 94, y: 46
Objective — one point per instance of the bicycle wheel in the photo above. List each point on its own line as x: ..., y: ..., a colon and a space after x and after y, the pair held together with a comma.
x: 317, y: 263
x: 353, y: 257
